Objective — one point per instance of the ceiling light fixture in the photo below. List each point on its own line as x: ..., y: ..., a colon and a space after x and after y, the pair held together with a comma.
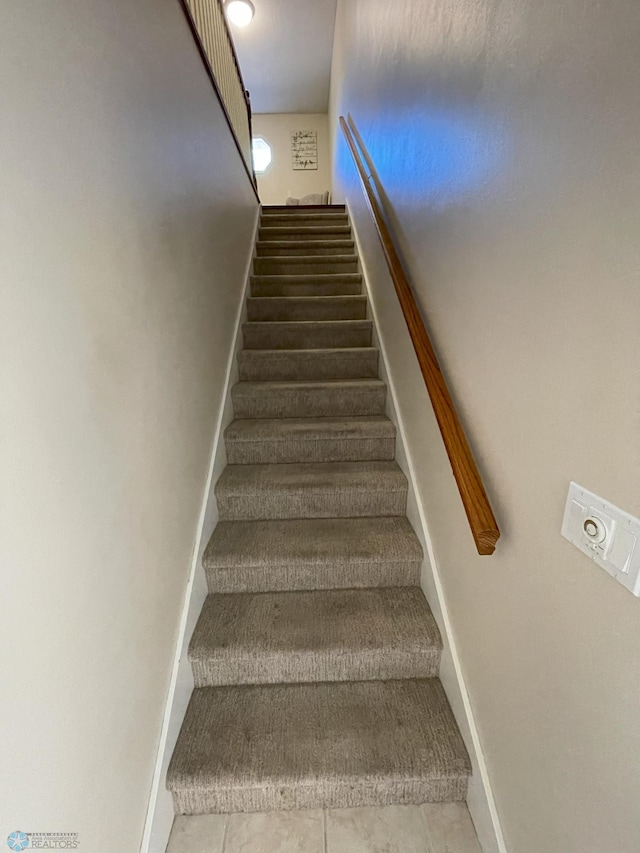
x: 239, y: 12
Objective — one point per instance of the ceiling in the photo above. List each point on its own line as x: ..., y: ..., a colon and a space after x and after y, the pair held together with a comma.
x: 285, y: 55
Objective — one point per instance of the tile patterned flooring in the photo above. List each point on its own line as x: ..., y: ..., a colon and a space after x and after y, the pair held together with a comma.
x: 431, y: 828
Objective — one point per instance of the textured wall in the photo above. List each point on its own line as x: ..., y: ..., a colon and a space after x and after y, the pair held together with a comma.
x: 126, y: 219
x: 281, y: 180
x: 506, y: 137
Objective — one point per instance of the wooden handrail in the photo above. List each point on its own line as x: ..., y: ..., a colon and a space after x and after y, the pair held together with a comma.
x: 474, y: 497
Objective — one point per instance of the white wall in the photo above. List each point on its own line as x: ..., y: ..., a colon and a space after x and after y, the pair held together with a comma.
x: 161, y: 815
x: 125, y: 232
x: 505, y: 135
x: 281, y: 180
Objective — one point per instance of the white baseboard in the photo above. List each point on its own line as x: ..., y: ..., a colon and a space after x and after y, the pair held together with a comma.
x: 480, y: 800
x: 160, y: 810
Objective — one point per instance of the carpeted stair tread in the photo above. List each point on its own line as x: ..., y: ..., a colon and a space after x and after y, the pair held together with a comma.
x: 328, y: 744
x: 325, y: 635
x: 311, y: 490
x: 307, y: 334
x: 315, y: 654
x: 285, y: 218
x: 305, y: 364
x: 281, y: 218
x: 267, y: 232
x: 338, y: 284
x: 331, y: 398
x: 273, y: 248
x: 290, y: 308
x: 262, y: 265
x: 261, y: 556
x: 303, y: 208
x: 306, y: 264
x: 251, y: 441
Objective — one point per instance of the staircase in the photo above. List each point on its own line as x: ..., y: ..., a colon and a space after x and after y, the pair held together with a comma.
x: 315, y: 657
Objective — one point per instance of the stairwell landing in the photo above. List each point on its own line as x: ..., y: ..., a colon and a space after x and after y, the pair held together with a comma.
x: 316, y: 656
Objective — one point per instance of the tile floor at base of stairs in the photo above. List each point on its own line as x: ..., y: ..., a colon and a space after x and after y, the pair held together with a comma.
x: 429, y: 828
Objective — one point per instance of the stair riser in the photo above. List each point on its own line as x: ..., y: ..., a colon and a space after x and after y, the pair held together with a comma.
x: 302, y: 209
x: 312, y: 666
x: 312, y: 404
x: 337, y: 794
x: 336, y: 574
x: 293, y: 309
x: 280, y: 336
x: 337, y: 232
x: 329, y: 450
x: 305, y: 266
x: 294, y: 288
x: 309, y: 220
x: 318, y: 247
x: 311, y: 503
x: 301, y: 365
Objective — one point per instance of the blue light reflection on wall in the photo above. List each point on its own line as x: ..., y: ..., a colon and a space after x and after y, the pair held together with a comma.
x: 437, y: 155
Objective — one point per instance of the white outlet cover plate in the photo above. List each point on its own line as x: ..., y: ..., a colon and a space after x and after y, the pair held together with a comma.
x: 618, y: 553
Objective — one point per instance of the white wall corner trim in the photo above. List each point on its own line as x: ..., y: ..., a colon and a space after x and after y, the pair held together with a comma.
x: 160, y: 814
x: 480, y: 799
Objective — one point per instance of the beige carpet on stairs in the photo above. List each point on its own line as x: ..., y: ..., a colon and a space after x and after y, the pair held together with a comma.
x: 315, y: 657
